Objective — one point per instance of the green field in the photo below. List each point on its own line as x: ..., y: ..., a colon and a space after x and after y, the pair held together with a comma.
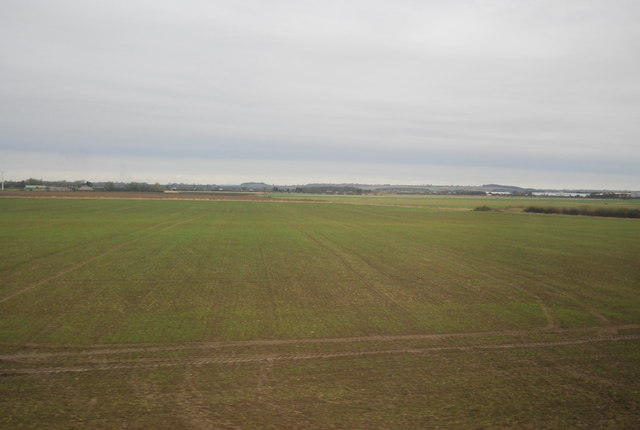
x: 339, y: 312
x: 458, y: 202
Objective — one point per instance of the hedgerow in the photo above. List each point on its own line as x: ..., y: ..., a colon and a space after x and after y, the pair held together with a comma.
x: 587, y: 211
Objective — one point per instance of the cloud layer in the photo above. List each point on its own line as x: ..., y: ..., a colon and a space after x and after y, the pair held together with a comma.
x: 538, y: 93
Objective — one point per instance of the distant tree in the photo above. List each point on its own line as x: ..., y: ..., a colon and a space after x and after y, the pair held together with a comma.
x: 156, y: 187
x: 109, y: 186
x: 133, y: 186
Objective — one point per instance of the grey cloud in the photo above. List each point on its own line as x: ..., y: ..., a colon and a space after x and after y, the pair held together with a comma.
x: 532, y: 85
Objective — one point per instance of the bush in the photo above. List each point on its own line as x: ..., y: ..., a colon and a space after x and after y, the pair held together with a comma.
x: 483, y: 209
x: 587, y: 211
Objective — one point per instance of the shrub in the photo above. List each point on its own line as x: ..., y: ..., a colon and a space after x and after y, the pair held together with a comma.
x: 483, y: 209
x: 587, y: 211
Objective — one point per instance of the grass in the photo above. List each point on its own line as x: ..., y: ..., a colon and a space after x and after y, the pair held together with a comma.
x: 458, y: 202
x: 84, y: 275
x: 155, y: 271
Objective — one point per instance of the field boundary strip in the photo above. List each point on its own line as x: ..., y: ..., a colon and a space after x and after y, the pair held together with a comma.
x: 82, y: 263
x: 238, y: 358
x: 107, y: 349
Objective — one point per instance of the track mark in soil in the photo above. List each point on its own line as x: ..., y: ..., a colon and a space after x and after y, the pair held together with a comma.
x: 552, y: 320
x: 554, y: 289
x: 236, y: 359
x: 451, y: 258
x: 82, y: 263
x: 407, y: 316
x: 20, y: 272
x: 146, y: 348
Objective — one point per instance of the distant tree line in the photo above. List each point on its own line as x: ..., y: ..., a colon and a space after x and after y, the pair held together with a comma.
x: 461, y: 193
x: 604, y: 212
x: 74, y: 185
x: 135, y: 186
x: 35, y: 181
x: 331, y: 189
x: 609, y: 195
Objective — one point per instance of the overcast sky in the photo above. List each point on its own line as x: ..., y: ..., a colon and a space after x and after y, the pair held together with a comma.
x: 531, y: 92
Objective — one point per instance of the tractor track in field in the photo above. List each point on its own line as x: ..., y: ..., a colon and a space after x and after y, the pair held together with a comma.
x: 405, y: 313
x: 107, y: 349
x: 236, y: 359
x: 75, y: 266
x: 97, y: 359
x: 552, y: 319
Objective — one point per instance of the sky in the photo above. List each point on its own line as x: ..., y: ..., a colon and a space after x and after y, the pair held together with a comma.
x: 535, y: 93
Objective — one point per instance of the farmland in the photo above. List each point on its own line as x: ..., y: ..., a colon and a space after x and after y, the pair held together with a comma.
x: 330, y: 312
x: 458, y: 202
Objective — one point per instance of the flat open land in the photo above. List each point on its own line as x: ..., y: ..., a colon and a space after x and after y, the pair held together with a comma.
x: 274, y: 312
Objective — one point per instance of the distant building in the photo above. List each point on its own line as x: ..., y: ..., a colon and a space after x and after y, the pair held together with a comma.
x: 557, y: 194
x: 35, y: 188
x: 85, y: 188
